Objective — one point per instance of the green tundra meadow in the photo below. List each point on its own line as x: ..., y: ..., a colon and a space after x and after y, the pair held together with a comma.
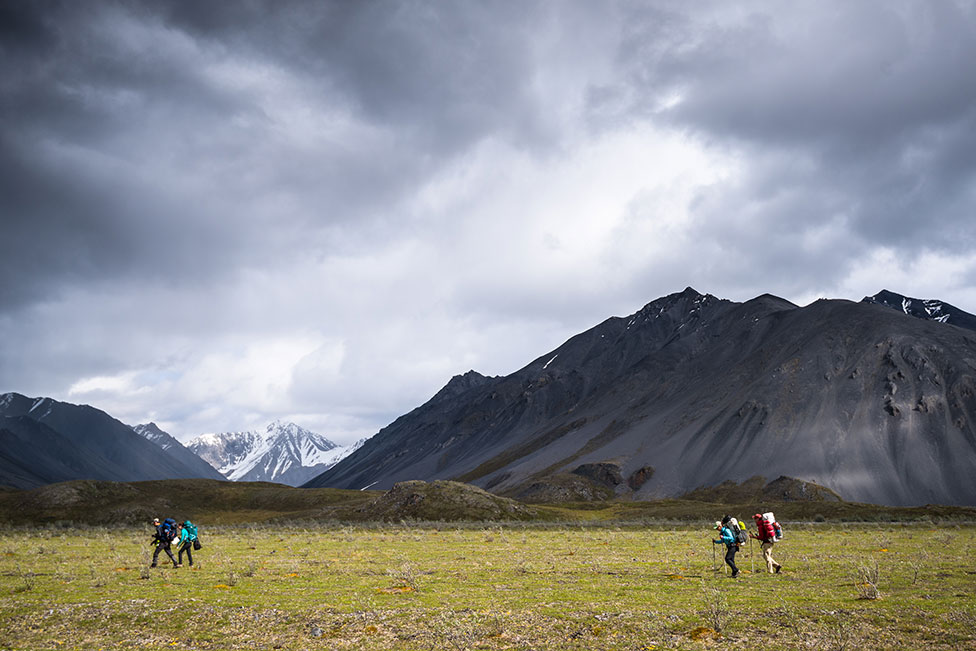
x: 533, y: 586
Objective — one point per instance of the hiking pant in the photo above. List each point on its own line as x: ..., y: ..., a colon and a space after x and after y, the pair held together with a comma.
x: 186, y: 547
x: 162, y: 547
x: 730, y: 558
x: 767, y: 552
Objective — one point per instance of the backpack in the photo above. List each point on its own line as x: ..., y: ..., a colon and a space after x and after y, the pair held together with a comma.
x: 737, y: 531
x: 167, y: 529
x: 769, y: 529
x: 190, y: 529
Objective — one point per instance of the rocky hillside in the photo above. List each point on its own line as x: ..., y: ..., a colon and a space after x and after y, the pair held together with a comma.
x: 691, y: 391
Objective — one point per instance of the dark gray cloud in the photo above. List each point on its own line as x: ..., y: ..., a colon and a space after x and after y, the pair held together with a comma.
x: 218, y: 213
x: 869, y: 108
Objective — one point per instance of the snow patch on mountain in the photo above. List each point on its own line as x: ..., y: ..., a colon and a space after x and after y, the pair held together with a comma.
x: 151, y: 432
x: 284, y: 453
x: 924, y: 308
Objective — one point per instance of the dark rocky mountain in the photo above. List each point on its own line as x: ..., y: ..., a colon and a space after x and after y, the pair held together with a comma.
x: 924, y: 308
x: 152, y: 433
x: 693, y: 391
x: 44, y: 441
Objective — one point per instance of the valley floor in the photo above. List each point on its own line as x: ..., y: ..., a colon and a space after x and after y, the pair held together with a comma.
x: 262, y: 587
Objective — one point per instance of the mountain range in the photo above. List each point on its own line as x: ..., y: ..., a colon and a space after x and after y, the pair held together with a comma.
x: 43, y: 441
x: 875, y: 400
x: 284, y: 453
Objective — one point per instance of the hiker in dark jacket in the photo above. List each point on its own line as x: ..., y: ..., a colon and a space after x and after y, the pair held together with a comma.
x: 727, y: 538
x: 161, y: 539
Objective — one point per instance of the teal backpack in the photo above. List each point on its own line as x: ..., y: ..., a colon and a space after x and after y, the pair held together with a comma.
x: 191, y: 530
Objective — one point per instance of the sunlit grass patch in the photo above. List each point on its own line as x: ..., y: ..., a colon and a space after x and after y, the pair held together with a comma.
x: 567, y: 587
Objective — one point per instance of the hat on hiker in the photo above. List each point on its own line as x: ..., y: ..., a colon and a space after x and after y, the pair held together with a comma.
x: 758, y: 516
x: 718, y: 525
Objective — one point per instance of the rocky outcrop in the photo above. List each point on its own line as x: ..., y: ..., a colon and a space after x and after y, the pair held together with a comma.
x: 756, y: 490
x: 563, y: 487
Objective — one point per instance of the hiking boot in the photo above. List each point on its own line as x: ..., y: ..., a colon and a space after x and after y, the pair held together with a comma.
x: 178, y: 565
x: 153, y: 565
x: 735, y: 575
x: 778, y: 568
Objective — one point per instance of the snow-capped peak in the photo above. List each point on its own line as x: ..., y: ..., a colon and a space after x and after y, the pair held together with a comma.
x: 283, y: 452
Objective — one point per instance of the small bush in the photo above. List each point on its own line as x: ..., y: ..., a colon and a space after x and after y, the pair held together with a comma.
x: 716, y: 611
x: 867, y: 579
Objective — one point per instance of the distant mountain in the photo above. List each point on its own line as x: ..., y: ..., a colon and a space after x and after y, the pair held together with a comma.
x: 151, y: 432
x: 44, y: 441
x: 283, y: 453
x: 928, y: 309
x: 692, y: 391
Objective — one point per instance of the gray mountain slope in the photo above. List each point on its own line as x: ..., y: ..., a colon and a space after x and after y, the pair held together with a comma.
x: 871, y: 403
x: 151, y: 432
x: 77, y: 442
x: 32, y: 454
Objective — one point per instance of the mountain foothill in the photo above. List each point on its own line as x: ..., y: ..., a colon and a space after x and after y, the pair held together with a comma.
x: 871, y: 401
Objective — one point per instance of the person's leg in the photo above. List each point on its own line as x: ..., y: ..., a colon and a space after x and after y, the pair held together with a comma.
x: 156, y: 555
x: 767, y: 551
x: 189, y: 552
x: 170, y: 554
x: 776, y: 566
x: 730, y: 560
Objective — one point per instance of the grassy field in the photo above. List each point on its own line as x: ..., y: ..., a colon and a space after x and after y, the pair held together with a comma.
x: 487, y: 587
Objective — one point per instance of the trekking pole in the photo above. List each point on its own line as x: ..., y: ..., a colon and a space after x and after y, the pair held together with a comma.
x: 714, y: 567
x: 752, y: 560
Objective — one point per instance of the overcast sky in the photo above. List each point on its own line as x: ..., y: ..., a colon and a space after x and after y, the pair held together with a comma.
x: 217, y: 214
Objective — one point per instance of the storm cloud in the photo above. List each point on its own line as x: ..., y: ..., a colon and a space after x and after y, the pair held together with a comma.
x: 217, y: 214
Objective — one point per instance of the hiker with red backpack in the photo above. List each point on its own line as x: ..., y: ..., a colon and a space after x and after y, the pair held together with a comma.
x: 768, y: 532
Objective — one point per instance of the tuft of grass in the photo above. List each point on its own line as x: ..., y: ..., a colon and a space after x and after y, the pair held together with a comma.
x: 867, y: 580
x: 27, y: 581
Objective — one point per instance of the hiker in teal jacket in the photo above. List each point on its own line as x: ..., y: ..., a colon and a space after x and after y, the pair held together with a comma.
x: 727, y: 538
x: 188, y: 533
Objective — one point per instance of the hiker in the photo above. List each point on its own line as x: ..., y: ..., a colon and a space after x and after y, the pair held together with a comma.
x: 727, y: 538
x: 188, y: 535
x: 162, y: 539
x: 767, y: 537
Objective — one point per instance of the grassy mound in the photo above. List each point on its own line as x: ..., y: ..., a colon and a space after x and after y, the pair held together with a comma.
x: 755, y: 489
x: 444, y: 501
